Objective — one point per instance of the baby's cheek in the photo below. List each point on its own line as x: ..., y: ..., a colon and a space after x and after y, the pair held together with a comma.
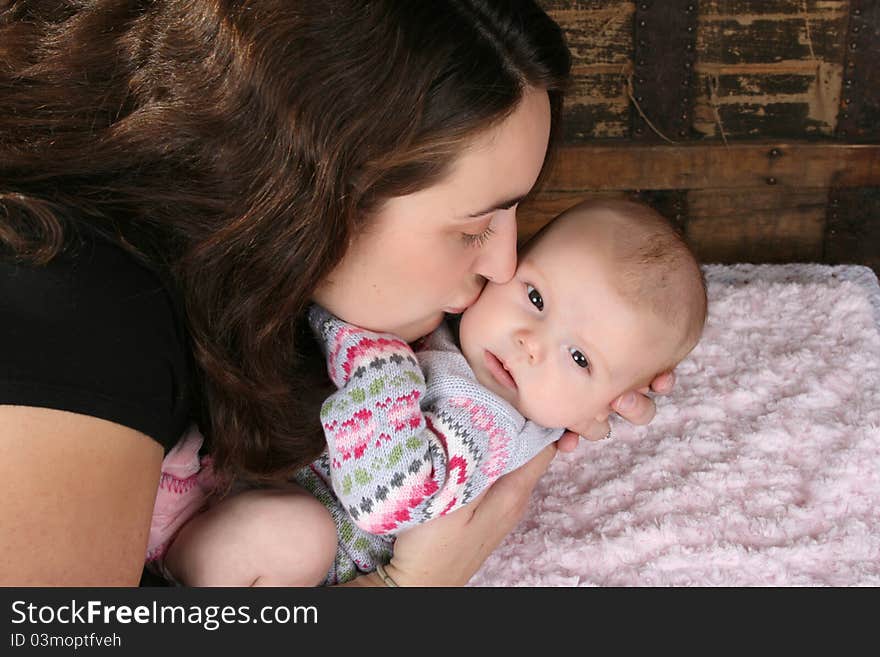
x: 554, y: 405
x: 532, y: 404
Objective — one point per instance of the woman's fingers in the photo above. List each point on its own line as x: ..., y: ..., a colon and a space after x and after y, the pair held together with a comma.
x: 568, y: 442
x: 634, y: 407
x: 663, y: 383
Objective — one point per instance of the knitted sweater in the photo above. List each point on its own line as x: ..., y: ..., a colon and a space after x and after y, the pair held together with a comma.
x: 410, y: 436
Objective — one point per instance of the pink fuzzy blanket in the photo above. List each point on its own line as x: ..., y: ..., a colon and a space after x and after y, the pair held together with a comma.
x: 762, y: 468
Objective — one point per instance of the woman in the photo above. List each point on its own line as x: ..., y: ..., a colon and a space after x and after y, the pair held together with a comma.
x: 179, y: 179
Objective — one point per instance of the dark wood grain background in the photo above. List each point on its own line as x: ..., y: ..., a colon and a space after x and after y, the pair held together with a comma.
x: 753, y: 124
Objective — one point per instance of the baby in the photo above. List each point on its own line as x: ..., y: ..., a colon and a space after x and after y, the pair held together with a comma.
x: 604, y: 298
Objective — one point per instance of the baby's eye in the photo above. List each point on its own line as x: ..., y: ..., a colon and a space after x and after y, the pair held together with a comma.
x: 579, y: 358
x: 535, y: 297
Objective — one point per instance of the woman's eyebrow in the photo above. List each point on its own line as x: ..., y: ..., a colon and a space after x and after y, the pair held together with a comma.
x: 503, y: 205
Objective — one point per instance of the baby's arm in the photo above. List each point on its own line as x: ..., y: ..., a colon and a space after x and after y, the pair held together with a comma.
x: 401, y: 452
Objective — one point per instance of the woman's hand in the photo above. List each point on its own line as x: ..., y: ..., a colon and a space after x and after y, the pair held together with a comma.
x: 448, y: 551
x: 634, y: 406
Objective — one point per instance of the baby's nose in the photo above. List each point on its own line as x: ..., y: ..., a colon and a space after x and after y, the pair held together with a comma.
x: 531, y: 344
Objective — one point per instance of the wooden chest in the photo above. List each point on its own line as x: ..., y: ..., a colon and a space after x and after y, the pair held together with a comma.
x: 753, y: 124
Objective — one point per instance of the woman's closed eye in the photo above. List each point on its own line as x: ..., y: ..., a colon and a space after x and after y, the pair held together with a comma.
x: 535, y: 297
x: 478, y: 239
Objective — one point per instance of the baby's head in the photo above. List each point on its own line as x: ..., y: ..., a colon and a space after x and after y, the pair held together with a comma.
x: 605, y: 297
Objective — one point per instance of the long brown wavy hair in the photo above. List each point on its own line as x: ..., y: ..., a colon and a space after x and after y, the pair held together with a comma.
x: 237, y: 146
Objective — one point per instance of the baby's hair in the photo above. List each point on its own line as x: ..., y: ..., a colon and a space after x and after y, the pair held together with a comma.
x: 658, y: 269
x: 654, y: 267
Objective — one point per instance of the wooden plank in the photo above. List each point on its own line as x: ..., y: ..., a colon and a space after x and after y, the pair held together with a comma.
x: 725, y: 203
x: 773, y: 104
x: 597, y: 107
x: 860, y: 102
x: 770, y: 69
x: 853, y: 227
x: 599, y: 36
x: 768, y: 119
x: 728, y: 226
x: 562, y: 7
x: 671, y: 203
x: 763, y: 8
x: 623, y: 166
x: 664, y: 53
x: 742, y: 39
x: 722, y: 225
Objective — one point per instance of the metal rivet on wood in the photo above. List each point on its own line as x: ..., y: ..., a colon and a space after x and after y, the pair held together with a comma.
x: 859, y: 115
x: 662, y: 93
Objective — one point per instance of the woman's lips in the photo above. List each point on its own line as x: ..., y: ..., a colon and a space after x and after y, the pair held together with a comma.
x: 498, y: 371
x: 458, y: 310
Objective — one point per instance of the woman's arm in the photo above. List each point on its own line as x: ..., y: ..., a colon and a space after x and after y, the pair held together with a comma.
x: 77, y: 493
x: 633, y: 406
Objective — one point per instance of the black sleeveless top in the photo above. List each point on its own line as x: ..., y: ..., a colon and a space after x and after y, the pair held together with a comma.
x: 96, y: 332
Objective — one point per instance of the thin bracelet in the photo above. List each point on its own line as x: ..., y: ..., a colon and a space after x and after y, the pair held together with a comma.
x: 385, y: 576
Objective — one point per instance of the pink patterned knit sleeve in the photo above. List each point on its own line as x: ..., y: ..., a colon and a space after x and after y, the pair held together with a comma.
x: 394, y: 460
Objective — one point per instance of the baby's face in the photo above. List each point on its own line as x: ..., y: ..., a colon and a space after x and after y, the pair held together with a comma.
x: 558, y: 341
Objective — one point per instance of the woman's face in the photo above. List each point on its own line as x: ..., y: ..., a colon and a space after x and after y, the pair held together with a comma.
x: 430, y: 252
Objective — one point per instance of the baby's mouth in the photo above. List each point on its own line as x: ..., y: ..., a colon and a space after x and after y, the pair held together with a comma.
x: 499, y: 371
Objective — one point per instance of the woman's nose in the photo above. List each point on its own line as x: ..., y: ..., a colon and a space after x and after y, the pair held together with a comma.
x: 529, y: 342
x: 497, y: 260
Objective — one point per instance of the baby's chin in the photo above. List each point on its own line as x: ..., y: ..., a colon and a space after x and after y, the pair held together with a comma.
x: 551, y: 420
x: 534, y: 412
